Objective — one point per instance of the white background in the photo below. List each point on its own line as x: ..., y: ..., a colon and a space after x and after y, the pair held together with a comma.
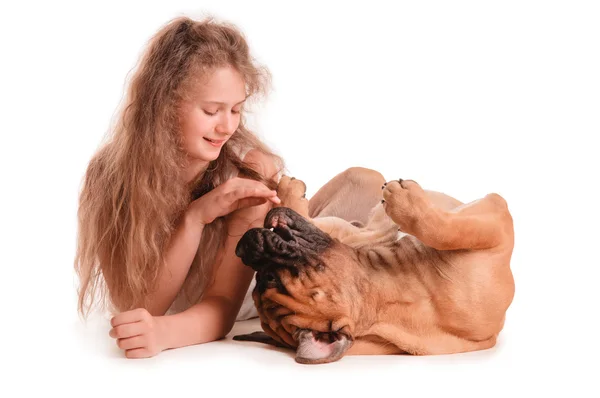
x: 464, y: 97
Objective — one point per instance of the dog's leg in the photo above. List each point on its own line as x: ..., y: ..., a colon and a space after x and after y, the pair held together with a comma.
x: 350, y: 195
x: 292, y: 191
x: 482, y: 224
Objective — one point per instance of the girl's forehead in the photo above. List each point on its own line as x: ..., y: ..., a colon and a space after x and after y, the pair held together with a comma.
x: 224, y: 85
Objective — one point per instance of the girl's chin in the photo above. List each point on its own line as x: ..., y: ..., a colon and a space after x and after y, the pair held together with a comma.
x: 204, y: 156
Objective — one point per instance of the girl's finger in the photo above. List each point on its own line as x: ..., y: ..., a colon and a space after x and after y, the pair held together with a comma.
x: 257, y: 185
x: 275, y: 199
x: 132, y: 342
x: 247, y: 192
x: 137, y: 353
x: 139, y: 314
x: 248, y: 202
x: 127, y: 330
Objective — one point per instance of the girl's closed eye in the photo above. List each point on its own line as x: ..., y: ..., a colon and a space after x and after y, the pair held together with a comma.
x: 209, y: 113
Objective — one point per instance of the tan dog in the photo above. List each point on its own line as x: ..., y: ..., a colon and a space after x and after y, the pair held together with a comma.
x: 426, y: 275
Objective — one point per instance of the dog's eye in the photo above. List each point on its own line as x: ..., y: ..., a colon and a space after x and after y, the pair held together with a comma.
x: 271, y: 280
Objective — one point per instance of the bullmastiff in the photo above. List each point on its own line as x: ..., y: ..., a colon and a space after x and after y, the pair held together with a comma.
x: 426, y: 275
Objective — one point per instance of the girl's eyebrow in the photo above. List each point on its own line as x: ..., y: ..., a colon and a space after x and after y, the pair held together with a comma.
x: 223, y: 103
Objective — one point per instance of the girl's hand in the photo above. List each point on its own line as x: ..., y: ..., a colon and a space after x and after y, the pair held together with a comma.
x: 232, y: 195
x: 138, y: 333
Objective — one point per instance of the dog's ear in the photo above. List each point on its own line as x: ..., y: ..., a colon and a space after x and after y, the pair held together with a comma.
x: 260, y: 337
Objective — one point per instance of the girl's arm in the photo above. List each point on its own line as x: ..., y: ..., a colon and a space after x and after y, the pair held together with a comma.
x: 142, y: 335
x: 186, y: 239
x: 178, y: 258
x: 215, y: 315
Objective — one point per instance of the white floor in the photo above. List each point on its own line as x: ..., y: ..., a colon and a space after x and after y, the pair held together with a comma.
x: 520, y: 363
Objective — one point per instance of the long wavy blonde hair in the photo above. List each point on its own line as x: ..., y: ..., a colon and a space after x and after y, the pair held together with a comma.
x: 134, y: 193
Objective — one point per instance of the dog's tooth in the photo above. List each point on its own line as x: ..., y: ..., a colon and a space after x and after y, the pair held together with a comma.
x: 271, y: 229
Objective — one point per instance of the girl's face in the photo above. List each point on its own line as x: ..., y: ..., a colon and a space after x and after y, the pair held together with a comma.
x: 212, y: 115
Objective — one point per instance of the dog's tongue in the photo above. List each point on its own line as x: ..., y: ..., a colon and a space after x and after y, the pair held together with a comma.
x: 312, y: 350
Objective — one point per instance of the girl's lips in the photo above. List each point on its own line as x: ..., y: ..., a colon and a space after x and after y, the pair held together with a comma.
x: 215, y: 143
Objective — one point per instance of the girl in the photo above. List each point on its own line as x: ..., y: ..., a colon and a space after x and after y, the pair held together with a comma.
x: 166, y: 199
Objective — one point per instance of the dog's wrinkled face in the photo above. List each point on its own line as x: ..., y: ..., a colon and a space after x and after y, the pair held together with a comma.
x: 300, y: 300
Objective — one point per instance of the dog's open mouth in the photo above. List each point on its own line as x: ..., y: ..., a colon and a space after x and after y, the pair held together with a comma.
x: 284, y: 232
x: 282, y: 223
x: 295, y: 229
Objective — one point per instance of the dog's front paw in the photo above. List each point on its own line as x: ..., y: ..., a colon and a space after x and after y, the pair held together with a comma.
x: 406, y: 204
x: 292, y: 193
